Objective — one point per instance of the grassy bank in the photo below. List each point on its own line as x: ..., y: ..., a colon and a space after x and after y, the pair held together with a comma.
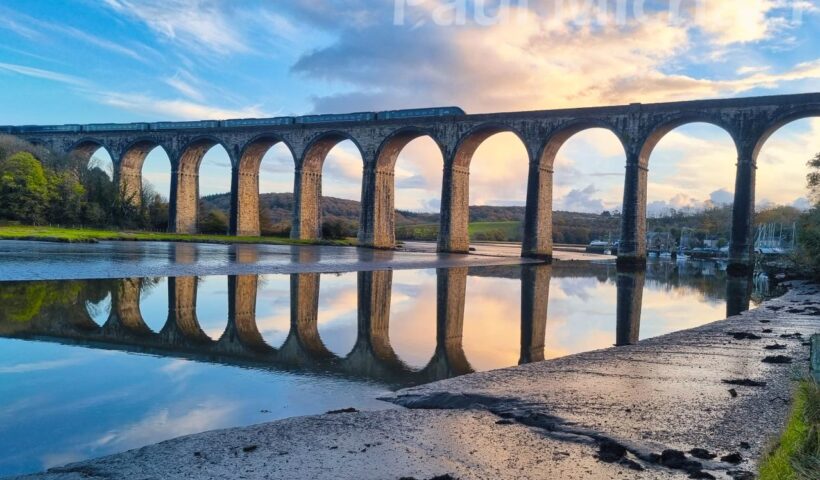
x: 493, y: 231
x: 75, y: 235
x: 796, y: 455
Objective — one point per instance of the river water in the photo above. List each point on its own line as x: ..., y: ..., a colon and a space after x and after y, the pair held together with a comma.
x: 95, y: 366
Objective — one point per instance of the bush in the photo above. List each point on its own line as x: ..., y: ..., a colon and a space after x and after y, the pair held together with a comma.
x: 214, y: 222
x: 338, y: 228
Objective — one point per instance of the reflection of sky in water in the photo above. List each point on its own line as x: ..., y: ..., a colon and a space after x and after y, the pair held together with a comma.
x: 338, y: 312
x: 273, y: 308
x: 212, y: 305
x: 99, y: 311
x: 413, y: 316
x: 65, y: 403
x: 154, y: 303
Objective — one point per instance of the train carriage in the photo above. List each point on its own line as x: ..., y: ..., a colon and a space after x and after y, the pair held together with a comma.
x: 258, y: 122
x: 420, y: 112
x: 115, y: 127
x: 337, y: 117
x: 48, y: 128
x: 184, y: 125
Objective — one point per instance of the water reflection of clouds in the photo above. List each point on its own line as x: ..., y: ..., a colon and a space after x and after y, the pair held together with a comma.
x: 273, y: 309
x: 212, y: 305
x: 338, y: 312
x: 413, y: 316
x: 492, y: 322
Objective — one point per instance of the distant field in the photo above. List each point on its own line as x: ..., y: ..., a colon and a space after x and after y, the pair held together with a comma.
x: 500, y: 231
x: 72, y: 235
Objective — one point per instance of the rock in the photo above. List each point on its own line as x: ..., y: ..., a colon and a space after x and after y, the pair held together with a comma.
x: 250, y: 448
x: 342, y: 410
x: 701, y: 474
x: 733, y: 392
x: 733, y: 458
x: 631, y: 464
x: 702, y: 453
x: 741, y: 475
x: 766, y: 330
x: 743, y: 335
x: 676, y: 459
x: 792, y: 335
x: 779, y: 359
x: 775, y: 346
x: 745, y: 445
x: 744, y: 382
x: 610, y: 452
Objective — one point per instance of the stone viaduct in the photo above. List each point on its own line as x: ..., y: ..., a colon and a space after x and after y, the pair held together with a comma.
x: 639, y: 127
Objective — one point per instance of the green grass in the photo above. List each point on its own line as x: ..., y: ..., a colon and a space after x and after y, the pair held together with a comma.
x: 75, y: 235
x: 796, y: 455
x: 508, y: 230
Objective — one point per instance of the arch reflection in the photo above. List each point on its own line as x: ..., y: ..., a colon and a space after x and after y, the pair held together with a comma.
x: 54, y: 311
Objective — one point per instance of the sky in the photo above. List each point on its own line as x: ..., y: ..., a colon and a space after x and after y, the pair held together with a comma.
x: 87, y: 61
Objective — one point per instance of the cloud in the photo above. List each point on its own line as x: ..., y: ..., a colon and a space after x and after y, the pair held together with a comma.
x: 581, y: 200
x: 172, y: 108
x: 184, y: 83
x: 735, y: 21
x: 44, y: 74
x: 199, y: 25
x: 722, y: 197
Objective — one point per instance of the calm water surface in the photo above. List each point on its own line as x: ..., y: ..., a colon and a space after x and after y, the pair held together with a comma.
x: 94, y: 367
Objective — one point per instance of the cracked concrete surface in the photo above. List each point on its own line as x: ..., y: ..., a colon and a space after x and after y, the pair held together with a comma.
x: 557, y: 417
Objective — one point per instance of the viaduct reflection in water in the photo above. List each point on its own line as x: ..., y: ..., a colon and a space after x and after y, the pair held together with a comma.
x: 57, y: 312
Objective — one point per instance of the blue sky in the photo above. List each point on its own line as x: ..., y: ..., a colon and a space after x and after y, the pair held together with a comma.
x: 126, y: 60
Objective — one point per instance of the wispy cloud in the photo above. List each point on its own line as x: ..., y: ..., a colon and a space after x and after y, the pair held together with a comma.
x: 44, y: 74
x: 172, y: 108
x: 184, y: 83
x: 199, y: 25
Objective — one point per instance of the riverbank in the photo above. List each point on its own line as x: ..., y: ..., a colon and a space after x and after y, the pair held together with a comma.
x: 704, y: 402
x: 76, y: 235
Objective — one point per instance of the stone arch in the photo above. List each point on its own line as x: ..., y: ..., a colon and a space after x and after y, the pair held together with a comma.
x: 85, y: 148
x: 455, y: 189
x: 377, y: 224
x: 659, y: 131
x: 307, y: 188
x: 648, y: 147
x: 538, y: 216
x: 245, y: 184
x: 184, y: 203
x: 128, y: 174
x: 781, y: 121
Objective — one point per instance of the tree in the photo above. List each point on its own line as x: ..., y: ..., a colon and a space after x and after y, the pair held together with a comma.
x: 809, y: 229
x: 214, y: 221
x: 23, y: 188
x: 813, y: 179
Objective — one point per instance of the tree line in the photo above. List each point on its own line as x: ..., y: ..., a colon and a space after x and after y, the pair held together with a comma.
x: 39, y: 187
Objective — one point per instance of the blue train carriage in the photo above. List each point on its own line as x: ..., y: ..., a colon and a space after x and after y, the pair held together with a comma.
x: 184, y: 125
x: 420, y: 112
x: 258, y: 122
x: 48, y: 128
x: 115, y: 127
x: 337, y: 117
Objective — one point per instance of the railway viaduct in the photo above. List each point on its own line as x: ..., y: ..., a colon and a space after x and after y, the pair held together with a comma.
x: 639, y: 127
